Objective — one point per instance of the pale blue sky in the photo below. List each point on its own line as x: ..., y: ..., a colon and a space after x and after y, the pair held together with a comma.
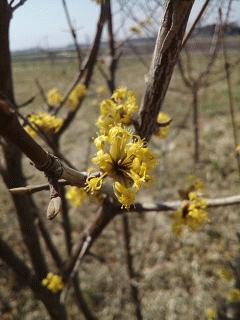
x: 43, y: 23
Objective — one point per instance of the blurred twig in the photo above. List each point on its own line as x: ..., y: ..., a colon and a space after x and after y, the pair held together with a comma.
x: 130, y: 268
x: 73, y: 33
x: 229, y: 87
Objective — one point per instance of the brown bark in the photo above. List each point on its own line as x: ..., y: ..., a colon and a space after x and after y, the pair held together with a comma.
x: 6, y: 84
x: 167, y: 48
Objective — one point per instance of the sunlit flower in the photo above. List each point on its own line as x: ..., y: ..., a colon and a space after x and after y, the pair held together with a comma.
x: 225, y: 274
x: 76, y: 196
x: 46, y: 122
x: 163, y: 120
x: 126, y: 159
x: 53, y: 282
x: 54, y: 97
x: 192, y: 213
x: 117, y: 110
x: 211, y: 314
x: 77, y: 93
x: 233, y: 295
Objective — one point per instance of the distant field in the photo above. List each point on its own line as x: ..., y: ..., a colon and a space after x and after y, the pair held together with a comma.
x: 178, y: 280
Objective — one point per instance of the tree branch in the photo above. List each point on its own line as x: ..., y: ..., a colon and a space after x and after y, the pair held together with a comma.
x: 167, y: 48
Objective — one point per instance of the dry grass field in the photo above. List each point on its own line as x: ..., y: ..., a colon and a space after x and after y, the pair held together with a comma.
x: 177, y: 277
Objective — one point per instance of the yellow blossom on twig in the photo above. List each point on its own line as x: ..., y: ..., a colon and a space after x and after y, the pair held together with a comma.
x: 117, y: 110
x: 192, y: 213
x: 211, y: 314
x: 43, y: 120
x: 53, y: 282
x: 163, y: 120
x: 126, y: 159
x: 233, y: 295
x: 54, y: 97
x: 76, y: 196
x: 225, y: 274
x: 77, y: 93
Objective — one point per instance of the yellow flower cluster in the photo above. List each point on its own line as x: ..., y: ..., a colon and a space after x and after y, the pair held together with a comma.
x: 54, y: 97
x: 77, y: 93
x: 192, y: 213
x: 163, y: 120
x: 225, y: 274
x: 126, y: 159
x: 53, y: 282
x: 117, y: 110
x: 76, y: 196
x: 43, y: 120
x: 211, y: 314
x: 233, y: 295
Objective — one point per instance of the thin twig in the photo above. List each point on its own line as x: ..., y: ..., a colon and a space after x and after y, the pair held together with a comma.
x: 19, y: 4
x: 42, y: 92
x: 130, y: 268
x: 229, y: 87
x: 73, y: 33
x: 188, y: 35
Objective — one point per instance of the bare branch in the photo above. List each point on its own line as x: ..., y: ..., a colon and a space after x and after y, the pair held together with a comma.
x: 88, y: 66
x: 229, y: 87
x: 188, y: 35
x: 73, y: 32
x: 174, y: 205
x: 130, y: 268
x: 42, y: 92
x: 19, y: 4
x: 165, y: 56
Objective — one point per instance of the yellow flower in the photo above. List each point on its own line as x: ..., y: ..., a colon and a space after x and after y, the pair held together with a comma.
x: 126, y: 159
x: 225, y: 274
x: 195, y: 183
x: 163, y: 120
x: 76, y: 196
x: 211, y: 314
x: 53, y: 282
x: 233, y: 295
x: 117, y: 110
x: 94, y: 183
x: 77, y: 93
x: 192, y: 214
x: 54, y: 97
x: 125, y: 195
x: 46, y: 122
